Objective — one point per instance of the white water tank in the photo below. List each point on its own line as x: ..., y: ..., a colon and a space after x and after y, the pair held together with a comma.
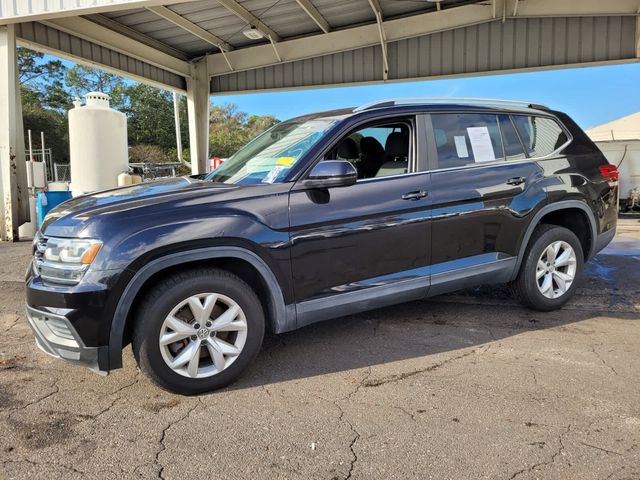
x: 97, y: 144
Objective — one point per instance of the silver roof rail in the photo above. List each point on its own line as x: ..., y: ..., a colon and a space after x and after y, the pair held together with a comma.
x: 428, y: 100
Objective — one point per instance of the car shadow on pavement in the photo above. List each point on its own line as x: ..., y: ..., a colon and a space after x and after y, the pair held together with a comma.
x: 451, y: 323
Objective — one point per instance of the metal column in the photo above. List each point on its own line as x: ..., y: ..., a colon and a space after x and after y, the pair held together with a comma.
x: 14, y: 200
x: 198, y: 113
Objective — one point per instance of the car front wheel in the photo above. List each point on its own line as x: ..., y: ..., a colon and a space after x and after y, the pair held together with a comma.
x: 198, y: 330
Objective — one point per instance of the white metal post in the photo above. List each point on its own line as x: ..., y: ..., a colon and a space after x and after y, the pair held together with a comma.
x: 176, y: 118
x: 198, y: 113
x: 14, y: 201
x: 30, y: 146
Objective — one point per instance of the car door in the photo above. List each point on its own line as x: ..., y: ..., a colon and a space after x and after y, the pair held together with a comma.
x: 483, y: 185
x: 365, y: 245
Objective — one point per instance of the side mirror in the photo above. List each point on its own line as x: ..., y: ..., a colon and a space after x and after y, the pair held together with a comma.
x: 332, y: 173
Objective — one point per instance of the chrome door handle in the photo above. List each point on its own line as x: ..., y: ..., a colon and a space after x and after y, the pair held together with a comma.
x: 415, y: 195
x: 516, y: 181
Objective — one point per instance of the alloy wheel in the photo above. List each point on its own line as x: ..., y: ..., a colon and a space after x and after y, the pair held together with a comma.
x: 203, y: 335
x: 556, y: 269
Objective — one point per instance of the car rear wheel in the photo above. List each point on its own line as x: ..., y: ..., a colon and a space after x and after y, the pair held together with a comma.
x: 198, y: 330
x: 550, y: 269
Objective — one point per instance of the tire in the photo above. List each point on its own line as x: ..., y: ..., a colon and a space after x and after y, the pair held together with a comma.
x: 528, y: 288
x: 226, y: 302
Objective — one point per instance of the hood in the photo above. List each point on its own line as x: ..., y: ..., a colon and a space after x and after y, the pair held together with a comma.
x: 66, y: 217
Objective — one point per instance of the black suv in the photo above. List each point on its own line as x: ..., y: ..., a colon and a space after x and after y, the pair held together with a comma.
x: 319, y: 217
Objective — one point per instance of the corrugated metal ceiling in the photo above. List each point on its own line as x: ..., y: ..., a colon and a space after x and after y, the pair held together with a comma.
x: 285, y: 17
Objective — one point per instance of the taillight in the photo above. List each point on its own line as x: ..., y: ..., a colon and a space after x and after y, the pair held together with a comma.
x: 610, y: 172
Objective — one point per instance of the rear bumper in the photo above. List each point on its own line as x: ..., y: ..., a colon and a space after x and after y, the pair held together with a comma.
x: 56, y: 337
x: 604, y: 239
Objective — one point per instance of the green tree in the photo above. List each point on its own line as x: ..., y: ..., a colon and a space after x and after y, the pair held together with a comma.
x: 230, y: 129
x: 34, y: 69
x: 54, y: 125
x: 44, y: 101
x: 150, y: 117
x: 81, y: 80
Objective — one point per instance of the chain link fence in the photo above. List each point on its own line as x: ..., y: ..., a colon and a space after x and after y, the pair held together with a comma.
x: 61, y: 172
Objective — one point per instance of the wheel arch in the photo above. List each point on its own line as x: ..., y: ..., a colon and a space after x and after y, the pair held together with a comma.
x: 279, y: 317
x: 558, y: 207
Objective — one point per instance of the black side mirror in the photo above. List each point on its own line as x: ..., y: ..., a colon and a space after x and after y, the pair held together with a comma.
x: 332, y: 173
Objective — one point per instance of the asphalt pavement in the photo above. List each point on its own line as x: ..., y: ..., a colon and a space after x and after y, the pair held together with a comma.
x: 463, y: 386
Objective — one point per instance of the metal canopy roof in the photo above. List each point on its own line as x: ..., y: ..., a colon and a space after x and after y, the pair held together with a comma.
x: 287, y: 18
x: 310, y: 43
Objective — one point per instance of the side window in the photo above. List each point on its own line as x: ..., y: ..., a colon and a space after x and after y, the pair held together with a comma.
x: 513, y: 149
x: 379, y: 150
x: 541, y: 136
x: 466, y: 138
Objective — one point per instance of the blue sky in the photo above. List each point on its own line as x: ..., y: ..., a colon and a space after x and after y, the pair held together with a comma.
x: 591, y: 95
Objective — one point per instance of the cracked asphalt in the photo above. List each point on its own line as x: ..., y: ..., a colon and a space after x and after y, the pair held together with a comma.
x: 463, y: 386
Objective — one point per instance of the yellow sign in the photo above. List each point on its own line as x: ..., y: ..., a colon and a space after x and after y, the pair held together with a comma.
x: 286, y: 161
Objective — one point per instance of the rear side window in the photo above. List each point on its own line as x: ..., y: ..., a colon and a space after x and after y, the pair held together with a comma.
x: 541, y: 136
x: 513, y: 149
x: 465, y: 138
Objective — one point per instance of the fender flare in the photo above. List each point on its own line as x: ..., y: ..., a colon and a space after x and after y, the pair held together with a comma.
x: 281, y: 315
x: 562, y: 205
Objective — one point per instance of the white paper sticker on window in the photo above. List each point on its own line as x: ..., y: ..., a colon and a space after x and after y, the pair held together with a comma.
x: 273, y: 174
x: 461, y: 146
x: 481, y: 144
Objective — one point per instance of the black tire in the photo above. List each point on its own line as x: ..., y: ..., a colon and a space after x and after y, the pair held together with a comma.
x: 160, y: 301
x: 525, y: 287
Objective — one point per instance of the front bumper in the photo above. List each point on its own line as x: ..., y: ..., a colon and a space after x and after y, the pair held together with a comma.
x: 56, y: 336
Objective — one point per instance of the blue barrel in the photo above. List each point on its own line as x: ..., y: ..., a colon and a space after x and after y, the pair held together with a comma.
x: 48, y: 200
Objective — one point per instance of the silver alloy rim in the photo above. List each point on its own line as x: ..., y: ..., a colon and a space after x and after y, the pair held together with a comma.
x: 556, y: 269
x: 203, y: 335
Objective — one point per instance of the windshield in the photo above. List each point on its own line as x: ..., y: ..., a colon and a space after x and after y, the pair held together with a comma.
x: 268, y: 157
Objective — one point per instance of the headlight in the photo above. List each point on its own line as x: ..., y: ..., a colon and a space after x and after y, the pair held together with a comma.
x: 65, y: 260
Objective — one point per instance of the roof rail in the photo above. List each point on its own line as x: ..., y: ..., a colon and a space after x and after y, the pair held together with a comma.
x: 427, y: 100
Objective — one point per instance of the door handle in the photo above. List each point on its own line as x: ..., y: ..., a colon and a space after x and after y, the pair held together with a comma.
x: 516, y: 181
x: 415, y: 195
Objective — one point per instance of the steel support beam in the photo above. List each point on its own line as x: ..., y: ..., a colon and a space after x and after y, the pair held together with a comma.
x: 315, y: 15
x: 14, y: 200
x: 638, y: 35
x: 571, y: 8
x: 198, y: 115
x: 191, y: 27
x: 136, y: 35
x: 352, y: 38
x: 375, y: 5
x: 100, y: 35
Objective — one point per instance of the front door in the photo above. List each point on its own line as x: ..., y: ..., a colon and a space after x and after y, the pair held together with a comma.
x: 365, y: 245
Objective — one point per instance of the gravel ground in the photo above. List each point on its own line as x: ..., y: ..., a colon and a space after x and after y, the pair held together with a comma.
x: 468, y: 385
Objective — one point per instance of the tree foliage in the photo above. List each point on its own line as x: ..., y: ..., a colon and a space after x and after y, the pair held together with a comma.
x: 81, y: 80
x: 230, y: 129
x: 44, y: 101
x: 150, y: 117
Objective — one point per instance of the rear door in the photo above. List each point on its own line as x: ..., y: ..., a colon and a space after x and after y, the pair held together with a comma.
x: 358, y: 246
x: 482, y: 186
